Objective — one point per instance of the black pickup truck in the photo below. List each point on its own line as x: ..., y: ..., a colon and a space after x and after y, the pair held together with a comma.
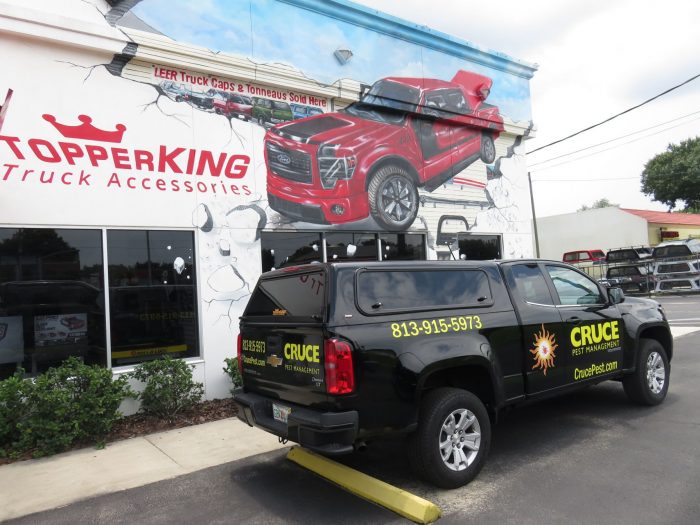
x: 335, y: 355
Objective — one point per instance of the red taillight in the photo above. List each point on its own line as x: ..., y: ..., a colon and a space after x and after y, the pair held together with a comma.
x: 239, y: 349
x: 340, y: 377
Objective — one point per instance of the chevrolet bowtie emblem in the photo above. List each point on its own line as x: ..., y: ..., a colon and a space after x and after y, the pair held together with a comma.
x: 273, y: 360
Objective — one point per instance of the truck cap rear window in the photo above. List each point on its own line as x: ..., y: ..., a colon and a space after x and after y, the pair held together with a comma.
x: 383, y: 291
x: 296, y: 295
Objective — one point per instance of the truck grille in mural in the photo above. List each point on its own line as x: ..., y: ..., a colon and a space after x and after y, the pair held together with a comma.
x: 289, y: 164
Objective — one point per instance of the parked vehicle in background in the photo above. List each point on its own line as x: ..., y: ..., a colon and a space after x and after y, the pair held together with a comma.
x: 232, y: 104
x: 174, y: 90
x: 302, y: 111
x: 269, y: 112
x: 682, y: 248
x: 634, y: 253
x: 580, y: 256
x: 631, y: 278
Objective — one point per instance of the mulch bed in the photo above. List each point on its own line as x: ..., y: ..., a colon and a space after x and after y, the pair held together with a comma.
x: 142, y: 424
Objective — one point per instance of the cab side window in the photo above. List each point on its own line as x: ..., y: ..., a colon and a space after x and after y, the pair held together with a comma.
x: 530, y: 284
x: 573, y: 287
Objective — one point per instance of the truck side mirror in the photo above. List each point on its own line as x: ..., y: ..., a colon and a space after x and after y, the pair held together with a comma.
x: 616, y: 295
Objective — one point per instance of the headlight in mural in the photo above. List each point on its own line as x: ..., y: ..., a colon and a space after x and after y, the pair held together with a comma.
x: 334, y: 167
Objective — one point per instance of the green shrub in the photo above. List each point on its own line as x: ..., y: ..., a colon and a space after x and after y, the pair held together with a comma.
x: 71, y: 403
x: 13, y: 399
x: 169, y: 388
x: 231, y: 369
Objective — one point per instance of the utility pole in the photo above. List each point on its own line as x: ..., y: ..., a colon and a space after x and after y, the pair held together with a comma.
x: 534, y: 218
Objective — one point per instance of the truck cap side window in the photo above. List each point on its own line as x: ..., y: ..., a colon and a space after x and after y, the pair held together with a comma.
x: 384, y: 291
x: 573, y: 287
x: 530, y: 284
x: 299, y: 295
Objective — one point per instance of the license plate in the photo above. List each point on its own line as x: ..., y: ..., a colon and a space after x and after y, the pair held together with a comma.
x: 280, y: 413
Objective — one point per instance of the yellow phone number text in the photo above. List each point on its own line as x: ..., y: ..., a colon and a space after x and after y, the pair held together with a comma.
x: 436, y: 326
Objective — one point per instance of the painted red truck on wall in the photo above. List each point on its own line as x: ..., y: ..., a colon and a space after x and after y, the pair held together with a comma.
x: 371, y: 157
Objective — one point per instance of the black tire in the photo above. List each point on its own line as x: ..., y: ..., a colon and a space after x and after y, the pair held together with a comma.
x: 393, y: 198
x: 648, y: 384
x: 425, y: 452
x: 488, y: 149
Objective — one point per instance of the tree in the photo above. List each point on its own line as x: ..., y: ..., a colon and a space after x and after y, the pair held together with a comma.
x: 600, y: 203
x: 675, y: 175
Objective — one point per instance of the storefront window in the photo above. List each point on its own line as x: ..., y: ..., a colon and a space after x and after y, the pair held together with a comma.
x: 402, y: 247
x: 51, y: 298
x: 153, y: 309
x: 280, y: 249
x: 479, y: 247
x: 351, y: 247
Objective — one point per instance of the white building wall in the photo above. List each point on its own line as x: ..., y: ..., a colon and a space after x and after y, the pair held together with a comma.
x: 600, y: 228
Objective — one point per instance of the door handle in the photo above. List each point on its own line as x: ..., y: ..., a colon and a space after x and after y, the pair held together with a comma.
x: 574, y: 320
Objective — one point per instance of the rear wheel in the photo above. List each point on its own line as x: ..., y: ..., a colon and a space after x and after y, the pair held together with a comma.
x: 450, y: 446
x: 488, y: 149
x: 648, y: 384
x: 393, y: 198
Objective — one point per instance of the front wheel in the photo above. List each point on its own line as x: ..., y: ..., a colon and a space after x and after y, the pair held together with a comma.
x: 488, y: 149
x: 450, y: 446
x: 648, y: 384
x: 393, y: 198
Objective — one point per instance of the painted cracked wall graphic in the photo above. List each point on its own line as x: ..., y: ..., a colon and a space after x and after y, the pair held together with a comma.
x: 192, y: 151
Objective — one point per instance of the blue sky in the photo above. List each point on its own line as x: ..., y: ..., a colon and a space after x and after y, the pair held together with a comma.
x: 271, y: 31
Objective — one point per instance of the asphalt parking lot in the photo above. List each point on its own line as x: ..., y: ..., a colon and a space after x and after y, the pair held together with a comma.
x: 590, y: 457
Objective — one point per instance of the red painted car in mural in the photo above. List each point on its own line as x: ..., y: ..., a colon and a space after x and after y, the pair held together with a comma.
x: 372, y: 157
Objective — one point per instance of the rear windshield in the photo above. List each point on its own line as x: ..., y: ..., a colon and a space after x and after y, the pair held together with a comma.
x: 622, y: 255
x: 382, y: 291
x: 629, y: 271
x: 300, y: 295
x: 672, y: 251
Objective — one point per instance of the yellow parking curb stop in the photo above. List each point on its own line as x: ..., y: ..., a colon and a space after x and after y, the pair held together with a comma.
x: 393, y: 498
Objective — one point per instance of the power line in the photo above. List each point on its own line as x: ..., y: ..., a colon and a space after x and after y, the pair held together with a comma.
x: 584, y: 180
x: 614, y: 116
x: 613, y: 147
x: 614, y: 139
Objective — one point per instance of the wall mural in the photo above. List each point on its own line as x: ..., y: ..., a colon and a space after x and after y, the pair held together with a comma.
x: 149, y: 142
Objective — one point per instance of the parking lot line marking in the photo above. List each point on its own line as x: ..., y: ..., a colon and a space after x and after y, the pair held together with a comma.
x: 678, y: 331
x: 393, y: 498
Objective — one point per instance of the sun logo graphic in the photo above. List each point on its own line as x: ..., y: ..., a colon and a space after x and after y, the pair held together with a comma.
x: 543, y: 352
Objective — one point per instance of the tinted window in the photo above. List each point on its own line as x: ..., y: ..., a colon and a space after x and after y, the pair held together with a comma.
x: 568, y: 257
x: 402, y: 247
x: 351, y: 247
x: 479, y: 247
x: 671, y: 251
x: 396, y: 290
x: 51, y: 298
x: 293, y: 295
x: 629, y: 271
x: 280, y: 249
x: 574, y: 288
x: 530, y: 284
x: 152, y: 295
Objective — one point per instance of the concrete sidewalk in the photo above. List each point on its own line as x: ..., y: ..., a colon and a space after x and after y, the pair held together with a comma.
x: 41, y: 484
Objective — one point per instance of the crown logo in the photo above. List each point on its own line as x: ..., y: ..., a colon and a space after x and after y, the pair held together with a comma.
x: 86, y: 130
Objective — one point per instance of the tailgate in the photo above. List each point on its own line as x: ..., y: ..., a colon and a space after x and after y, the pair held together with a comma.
x: 282, y: 338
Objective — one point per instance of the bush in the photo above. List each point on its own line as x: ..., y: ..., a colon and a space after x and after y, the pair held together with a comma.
x: 231, y: 369
x: 13, y: 398
x: 68, y: 404
x: 169, y: 387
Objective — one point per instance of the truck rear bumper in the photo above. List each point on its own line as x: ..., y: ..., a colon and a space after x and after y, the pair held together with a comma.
x: 329, y: 433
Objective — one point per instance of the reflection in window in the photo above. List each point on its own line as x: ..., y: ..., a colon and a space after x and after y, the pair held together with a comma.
x: 574, y: 288
x: 402, y: 247
x: 530, y: 283
x: 280, y: 249
x: 351, y: 247
x: 152, y: 295
x: 479, y: 247
x: 381, y: 291
x: 51, y: 298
